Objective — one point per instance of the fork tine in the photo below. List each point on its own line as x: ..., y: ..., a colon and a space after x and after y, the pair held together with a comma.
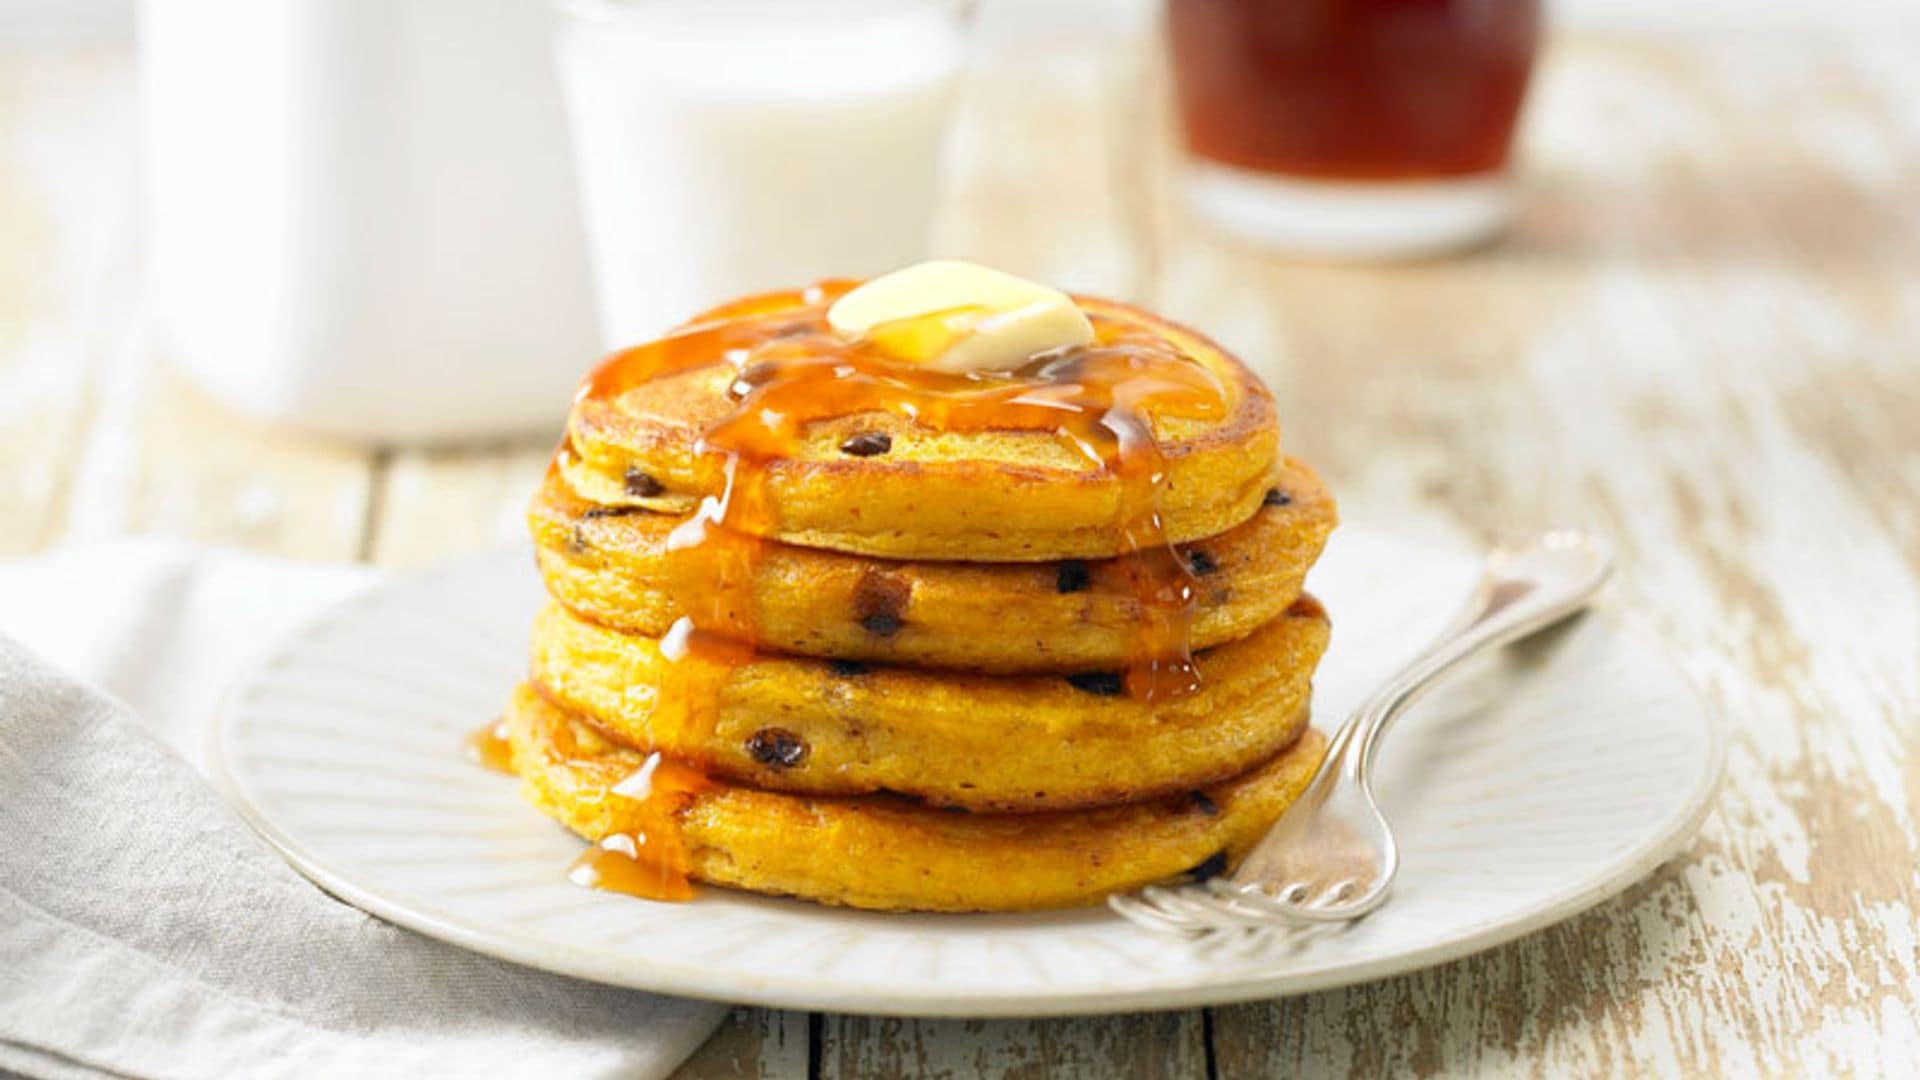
x: 1262, y: 901
x: 1180, y: 903
x: 1151, y: 916
x: 1220, y: 912
x: 1335, y: 828
x: 1182, y: 910
x: 1224, y: 907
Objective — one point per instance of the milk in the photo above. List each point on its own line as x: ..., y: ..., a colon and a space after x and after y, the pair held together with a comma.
x: 725, y: 148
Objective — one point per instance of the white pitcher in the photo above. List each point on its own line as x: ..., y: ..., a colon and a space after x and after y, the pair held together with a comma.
x: 361, y: 214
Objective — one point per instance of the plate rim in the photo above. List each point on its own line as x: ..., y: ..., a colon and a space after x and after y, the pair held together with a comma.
x: 796, y: 992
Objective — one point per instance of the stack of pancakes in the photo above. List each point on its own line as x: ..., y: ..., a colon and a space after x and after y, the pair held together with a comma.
x: 899, y: 661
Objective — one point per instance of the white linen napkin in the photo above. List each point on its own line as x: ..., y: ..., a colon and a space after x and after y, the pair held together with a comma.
x: 146, y: 931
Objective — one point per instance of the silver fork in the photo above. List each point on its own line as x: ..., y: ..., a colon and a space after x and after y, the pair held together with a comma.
x: 1331, y: 857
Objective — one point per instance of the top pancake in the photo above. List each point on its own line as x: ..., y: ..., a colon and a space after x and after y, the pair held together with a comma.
x: 991, y: 494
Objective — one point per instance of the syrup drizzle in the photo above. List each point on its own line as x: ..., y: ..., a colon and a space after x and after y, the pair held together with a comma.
x: 789, y: 371
x: 650, y: 859
x: 489, y: 747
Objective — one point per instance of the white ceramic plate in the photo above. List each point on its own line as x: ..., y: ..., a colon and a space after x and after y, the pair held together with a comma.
x: 1532, y: 786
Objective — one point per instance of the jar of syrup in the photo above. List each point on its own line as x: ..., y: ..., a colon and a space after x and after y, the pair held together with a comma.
x: 1351, y: 127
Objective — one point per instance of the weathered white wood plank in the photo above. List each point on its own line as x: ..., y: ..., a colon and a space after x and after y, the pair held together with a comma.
x: 432, y: 505
x: 161, y: 457
x: 769, y: 1044
x: 1148, y: 1046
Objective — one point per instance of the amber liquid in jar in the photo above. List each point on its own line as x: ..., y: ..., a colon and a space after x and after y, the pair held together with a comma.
x: 1353, y: 89
x: 1352, y: 127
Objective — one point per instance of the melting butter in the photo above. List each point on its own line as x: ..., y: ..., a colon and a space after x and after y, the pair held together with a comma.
x: 958, y: 317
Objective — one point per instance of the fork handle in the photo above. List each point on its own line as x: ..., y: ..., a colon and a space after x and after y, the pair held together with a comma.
x: 1526, y: 588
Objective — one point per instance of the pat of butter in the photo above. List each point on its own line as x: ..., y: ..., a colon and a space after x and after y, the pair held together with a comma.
x: 958, y: 317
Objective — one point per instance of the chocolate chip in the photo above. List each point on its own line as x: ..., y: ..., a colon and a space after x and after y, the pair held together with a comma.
x: 880, y: 602
x: 777, y: 748
x: 1206, y: 804
x: 641, y: 484
x: 1201, y: 562
x: 577, y: 541
x: 1276, y: 497
x: 867, y: 444
x: 595, y: 512
x: 1072, y: 577
x: 847, y: 669
x: 1210, y: 867
x: 1104, y: 683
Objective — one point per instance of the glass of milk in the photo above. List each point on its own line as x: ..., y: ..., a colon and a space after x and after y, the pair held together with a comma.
x: 729, y: 146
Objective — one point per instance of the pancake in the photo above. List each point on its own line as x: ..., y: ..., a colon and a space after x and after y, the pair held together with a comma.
x: 980, y: 742
x: 611, y: 567
x: 879, y: 483
x: 884, y: 853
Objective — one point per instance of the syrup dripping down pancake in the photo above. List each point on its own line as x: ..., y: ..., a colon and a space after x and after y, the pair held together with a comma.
x: 982, y: 742
x: 936, y: 467
x: 610, y: 566
x: 1050, y: 635
x: 886, y: 853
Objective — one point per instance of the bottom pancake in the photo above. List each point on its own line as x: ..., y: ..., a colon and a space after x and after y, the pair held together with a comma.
x: 887, y: 853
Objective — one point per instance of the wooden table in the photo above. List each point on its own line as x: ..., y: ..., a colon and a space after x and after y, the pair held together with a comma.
x: 1704, y: 338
